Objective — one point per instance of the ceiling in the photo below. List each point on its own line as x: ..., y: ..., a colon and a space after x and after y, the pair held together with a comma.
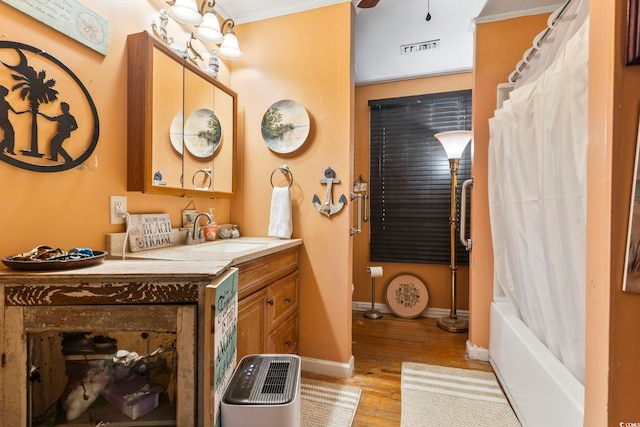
x: 394, y: 41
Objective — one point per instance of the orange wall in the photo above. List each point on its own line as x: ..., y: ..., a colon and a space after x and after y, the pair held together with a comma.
x: 495, y: 58
x: 71, y: 208
x: 599, y: 216
x: 612, y: 345
x: 285, y: 59
x: 437, y: 277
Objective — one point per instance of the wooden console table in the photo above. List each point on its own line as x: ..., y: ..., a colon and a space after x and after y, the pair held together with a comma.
x: 181, y: 298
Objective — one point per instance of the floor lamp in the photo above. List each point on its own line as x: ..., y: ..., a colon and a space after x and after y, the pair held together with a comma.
x: 454, y: 144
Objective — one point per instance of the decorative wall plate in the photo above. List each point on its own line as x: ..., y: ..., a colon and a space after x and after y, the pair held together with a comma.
x: 202, y: 133
x: 175, y: 132
x: 285, y: 126
x: 406, y: 295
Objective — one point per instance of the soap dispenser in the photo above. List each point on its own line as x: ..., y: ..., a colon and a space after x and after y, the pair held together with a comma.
x: 211, y: 229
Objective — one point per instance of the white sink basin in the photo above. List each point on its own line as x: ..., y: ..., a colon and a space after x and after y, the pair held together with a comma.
x: 223, y: 251
x: 216, y: 251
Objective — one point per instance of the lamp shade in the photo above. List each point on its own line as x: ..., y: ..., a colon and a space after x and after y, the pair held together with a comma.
x: 185, y: 12
x: 229, y: 48
x: 209, y: 30
x: 454, y: 142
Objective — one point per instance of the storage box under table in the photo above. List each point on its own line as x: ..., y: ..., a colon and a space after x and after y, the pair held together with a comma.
x: 133, y: 395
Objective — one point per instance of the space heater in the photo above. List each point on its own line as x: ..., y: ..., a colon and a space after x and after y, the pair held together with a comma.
x: 264, y: 391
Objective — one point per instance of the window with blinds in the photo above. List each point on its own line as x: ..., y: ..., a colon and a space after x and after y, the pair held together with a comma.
x: 410, y: 179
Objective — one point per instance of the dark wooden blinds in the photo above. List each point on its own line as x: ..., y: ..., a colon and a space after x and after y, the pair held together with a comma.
x: 410, y: 177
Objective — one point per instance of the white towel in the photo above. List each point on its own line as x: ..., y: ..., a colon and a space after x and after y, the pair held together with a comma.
x: 280, y: 224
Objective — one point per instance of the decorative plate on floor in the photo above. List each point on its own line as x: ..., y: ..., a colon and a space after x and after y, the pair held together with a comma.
x: 406, y: 295
x: 285, y: 126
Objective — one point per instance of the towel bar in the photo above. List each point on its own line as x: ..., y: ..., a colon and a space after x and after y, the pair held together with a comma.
x: 285, y: 171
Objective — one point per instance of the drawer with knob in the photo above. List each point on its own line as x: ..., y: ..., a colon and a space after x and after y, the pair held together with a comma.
x: 282, y: 299
x: 284, y: 338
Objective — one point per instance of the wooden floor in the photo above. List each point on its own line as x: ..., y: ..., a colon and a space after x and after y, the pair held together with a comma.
x: 380, y: 346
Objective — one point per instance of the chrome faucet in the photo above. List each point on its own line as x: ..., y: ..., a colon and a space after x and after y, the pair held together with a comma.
x: 196, y: 235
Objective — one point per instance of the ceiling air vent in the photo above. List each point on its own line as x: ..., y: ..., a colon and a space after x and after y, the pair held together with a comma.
x: 407, y: 49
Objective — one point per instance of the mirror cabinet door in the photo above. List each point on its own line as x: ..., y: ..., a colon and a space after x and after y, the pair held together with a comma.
x: 223, y: 170
x: 209, y: 135
x: 202, y: 132
x: 181, y: 126
x: 166, y: 122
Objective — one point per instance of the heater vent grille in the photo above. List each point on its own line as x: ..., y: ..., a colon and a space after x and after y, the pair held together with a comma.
x: 276, y: 378
x: 407, y: 49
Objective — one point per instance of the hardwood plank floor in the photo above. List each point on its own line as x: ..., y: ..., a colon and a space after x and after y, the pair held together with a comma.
x: 380, y: 346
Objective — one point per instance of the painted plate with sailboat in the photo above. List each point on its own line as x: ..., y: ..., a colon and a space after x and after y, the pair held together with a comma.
x: 285, y: 126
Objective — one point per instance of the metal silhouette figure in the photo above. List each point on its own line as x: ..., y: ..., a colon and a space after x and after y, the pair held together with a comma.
x: 66, y: 124
x: 8, y: 142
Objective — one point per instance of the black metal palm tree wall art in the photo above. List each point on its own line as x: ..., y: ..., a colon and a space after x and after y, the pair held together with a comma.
x: 37, y: 89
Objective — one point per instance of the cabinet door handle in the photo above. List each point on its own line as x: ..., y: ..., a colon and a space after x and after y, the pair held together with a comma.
x: 288, y: 343
x: 288, y: 299
x: 270, y: 302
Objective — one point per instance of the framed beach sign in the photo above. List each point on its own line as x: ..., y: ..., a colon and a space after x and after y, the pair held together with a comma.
x: 631, y: 281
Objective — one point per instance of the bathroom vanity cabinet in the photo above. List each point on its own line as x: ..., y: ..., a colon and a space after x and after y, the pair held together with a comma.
x: 143, y: 305
x: 268, y: 286
x: 268, y: 304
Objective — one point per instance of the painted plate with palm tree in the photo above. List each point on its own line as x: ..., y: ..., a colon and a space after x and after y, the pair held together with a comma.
x: 202, y: 133
x: 406, y: 295
x: 285, y: 126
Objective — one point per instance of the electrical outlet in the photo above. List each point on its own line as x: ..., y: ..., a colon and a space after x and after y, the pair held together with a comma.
x: 117, y: 209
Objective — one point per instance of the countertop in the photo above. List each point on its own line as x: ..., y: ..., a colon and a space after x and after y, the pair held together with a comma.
x: 164, y: 263
x: 229, y: 251
x: 118, y: 270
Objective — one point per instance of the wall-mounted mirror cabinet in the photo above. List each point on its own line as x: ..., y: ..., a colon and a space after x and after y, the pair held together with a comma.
x: 181, y: 125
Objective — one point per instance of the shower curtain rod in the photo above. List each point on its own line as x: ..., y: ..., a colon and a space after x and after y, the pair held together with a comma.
x: 537, y: 44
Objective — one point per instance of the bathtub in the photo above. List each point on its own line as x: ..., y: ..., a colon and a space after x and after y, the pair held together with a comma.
x: 541, y: 390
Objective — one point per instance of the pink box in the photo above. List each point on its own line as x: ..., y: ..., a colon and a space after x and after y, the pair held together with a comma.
x: 133, y: 395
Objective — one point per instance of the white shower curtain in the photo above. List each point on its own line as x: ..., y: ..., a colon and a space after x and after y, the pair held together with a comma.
x: 537, y: 201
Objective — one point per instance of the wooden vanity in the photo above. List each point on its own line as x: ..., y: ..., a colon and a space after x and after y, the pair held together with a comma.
x: 147, y: 303
x: 268, y: 304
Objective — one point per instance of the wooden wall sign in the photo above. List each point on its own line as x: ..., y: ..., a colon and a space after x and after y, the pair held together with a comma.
x: 149, y: 231
x: 48, y: 120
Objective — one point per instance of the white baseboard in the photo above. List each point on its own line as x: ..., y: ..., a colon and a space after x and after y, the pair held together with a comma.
x: 327, y: 367
x: 475, y: 352
x: 384, y: 308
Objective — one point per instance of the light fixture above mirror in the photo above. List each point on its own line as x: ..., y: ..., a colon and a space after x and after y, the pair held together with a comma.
x: 185, y: 12
x: 208, y: 28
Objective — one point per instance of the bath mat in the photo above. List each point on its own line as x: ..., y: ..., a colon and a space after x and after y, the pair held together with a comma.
x: 327, y: 405
x: 436, y: 396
